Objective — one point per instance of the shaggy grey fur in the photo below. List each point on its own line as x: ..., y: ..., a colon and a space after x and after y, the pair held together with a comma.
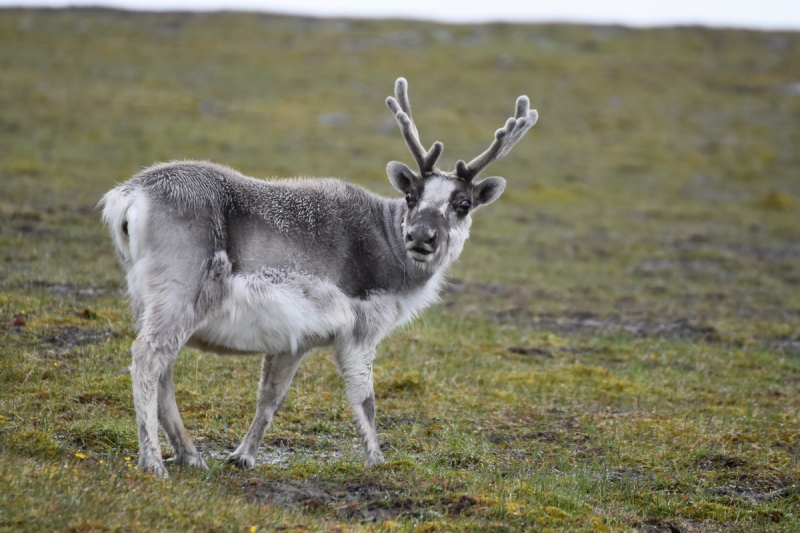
x: 231, y: 264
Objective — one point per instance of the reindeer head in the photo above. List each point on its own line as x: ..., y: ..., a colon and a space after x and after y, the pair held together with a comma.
x: 437, y: 222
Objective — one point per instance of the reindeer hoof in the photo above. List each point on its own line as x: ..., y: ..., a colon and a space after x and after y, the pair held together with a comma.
x: 188, y: 460
x: 373, y: 459
x: 155, y: 466
x: 245, y: 462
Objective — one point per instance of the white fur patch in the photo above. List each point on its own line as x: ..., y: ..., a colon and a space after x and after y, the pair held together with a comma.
x: 264, y: 314
x: 116, y: 204
x: 410, y: 305
x: 437, y: 194
x: 458, y: 235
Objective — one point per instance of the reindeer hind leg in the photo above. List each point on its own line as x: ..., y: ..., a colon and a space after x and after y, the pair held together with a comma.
x: 151, y: 354
x: 172, y: 308
x: 170, y: 419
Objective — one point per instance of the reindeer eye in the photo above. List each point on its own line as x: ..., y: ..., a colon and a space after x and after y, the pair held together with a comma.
x: 463, y: 207
x: 410, y: 200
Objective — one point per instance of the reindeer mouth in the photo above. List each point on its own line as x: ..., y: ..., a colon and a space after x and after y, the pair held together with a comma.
x: 421, y: 251
x: 420, y: 254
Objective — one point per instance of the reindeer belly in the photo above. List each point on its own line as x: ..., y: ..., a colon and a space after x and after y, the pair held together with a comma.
x: 275, y: 312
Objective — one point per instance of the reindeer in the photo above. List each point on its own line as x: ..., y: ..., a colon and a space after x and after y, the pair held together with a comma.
x: 234, y: 265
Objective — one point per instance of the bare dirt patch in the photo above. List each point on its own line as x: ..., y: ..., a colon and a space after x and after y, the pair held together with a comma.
x: 531, y: 351
x: 461, y: 505
x: 768, y: 254
x: 68, y: 337
x: 517, y: 310
x: 754, y: 492
x: 754, y: 487
x: 686, y: 267
x: 57, y: 342
x: 626, y: 475
x: 353, y: 501
x: 687, y: 526
x: 786, y: 345
x: 719, y: 462
x: 77, y: 290
x: 636, y: 325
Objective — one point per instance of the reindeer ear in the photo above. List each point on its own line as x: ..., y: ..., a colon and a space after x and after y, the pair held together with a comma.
x: 487, y: 191
x: 401, y: 176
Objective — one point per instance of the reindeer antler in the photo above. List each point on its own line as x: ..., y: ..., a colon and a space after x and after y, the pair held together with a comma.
x: 504, y: 139
x: 401, y: 108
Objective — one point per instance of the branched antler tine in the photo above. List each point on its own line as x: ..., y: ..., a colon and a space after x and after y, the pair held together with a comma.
x: 523, y: 125
x: 433, y: 155
x: 492, y: 153
x: 504, y: 139
x: 401, y: 108
x: 401, y: 94
x: 523, y: 105
x: 408, y: 131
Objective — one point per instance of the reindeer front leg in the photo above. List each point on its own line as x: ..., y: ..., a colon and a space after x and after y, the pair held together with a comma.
x: 277, y: 372
x: 355, y: 364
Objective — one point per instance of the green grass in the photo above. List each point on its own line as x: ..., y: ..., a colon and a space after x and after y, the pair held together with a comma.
x: 620, y: 349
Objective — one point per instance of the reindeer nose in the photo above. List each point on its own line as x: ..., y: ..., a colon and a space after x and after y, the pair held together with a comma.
x: 421, y: 239
x: 428, y: 237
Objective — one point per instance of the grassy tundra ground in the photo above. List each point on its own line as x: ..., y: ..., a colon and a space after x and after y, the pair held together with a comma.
x: 619, y: 349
